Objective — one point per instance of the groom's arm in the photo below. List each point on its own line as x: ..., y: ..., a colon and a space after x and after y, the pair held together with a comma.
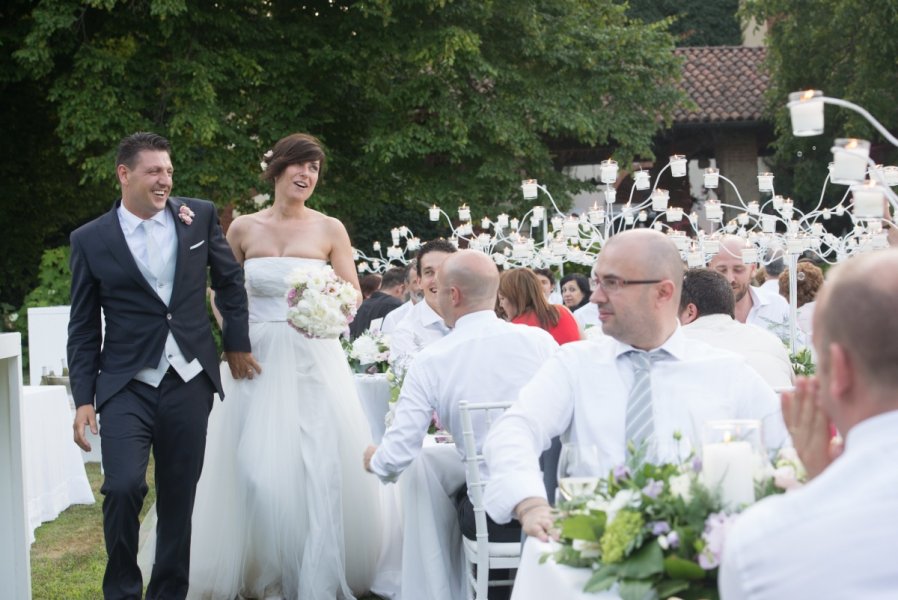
x: 230, y: 294
x: 85, y: 334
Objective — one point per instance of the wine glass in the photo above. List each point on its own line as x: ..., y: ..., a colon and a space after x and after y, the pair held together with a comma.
x: 578, y: 470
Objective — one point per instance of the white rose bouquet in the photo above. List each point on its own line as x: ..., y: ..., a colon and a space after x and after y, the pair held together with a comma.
x: 369, y: 352
x: 319, y: 303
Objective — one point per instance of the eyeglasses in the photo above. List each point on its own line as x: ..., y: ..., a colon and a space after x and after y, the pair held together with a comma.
x: 613, y: 284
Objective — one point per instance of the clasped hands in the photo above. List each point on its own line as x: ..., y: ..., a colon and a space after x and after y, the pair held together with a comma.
x: 242, y: 365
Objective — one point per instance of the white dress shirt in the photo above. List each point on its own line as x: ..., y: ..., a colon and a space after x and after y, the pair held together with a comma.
x: 394, y: 317
x: 767, y: 310
x: 163, y: 232
x: 771, y: 286
x: 763, y: 351
x: 588, y: 316
x: 420, y: 327
x: 484, y: 359
x: 833, y: 538
x: 582, y: 392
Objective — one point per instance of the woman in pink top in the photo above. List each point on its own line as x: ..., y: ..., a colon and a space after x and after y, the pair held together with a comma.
x: 521, y: 299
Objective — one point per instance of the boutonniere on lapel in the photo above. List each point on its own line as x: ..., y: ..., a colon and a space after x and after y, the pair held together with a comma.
x: 185, y: 214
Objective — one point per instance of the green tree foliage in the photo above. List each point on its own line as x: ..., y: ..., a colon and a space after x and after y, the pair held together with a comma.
x: 697, y: 22
x: 848, y: 49
x: 417, y: 101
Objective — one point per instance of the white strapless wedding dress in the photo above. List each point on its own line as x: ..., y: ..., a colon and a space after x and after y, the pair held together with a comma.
x: 284, y: 507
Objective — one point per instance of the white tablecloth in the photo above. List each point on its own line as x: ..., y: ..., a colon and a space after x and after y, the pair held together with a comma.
x: 374, y: 394
x: 54, y: 470
x: 536, y: 581
x: 422, y: 556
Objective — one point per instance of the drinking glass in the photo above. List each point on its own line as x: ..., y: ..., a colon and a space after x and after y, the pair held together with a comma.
x: 578, y: 470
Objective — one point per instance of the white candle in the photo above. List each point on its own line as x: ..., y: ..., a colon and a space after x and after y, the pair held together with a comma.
x: 596, y: 215
x: 678, y: 165
x: 502, y: 221
x: 608, y: 171
x: 610, y: 195
x: 711, y: 177
x: 712, y: 246
x: 394, y: 235
x: 464, y: 213
x: 850, y: 160
x: 768, y: 223
x: 765, y: 182
x: 695, y: 259
x: 434, y: 213
x: 742, y: 218
x: 729, y: 467
x: 643, y: 216
x: 521, y: 250
x: 528, y: 187
x: 794, y: 245
x: 642, y: 179
x: 659, y: 199
x: 890, y: 174
x: 713, y: 210
x: 571, y: 227
x: 413, y: 243
x: 539, y: 213
x: 806, y: 110
x: 674, y: 214
x: 485, y: 223
x: 868, y: 200
x: 754, y: 208
x: 394, y: 252
x: 376, y: 246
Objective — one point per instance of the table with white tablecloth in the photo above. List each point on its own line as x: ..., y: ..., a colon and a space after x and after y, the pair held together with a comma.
x: 374, y: 394
x: 54, y: 470
x: 536, y: 581
x: 422, y: 555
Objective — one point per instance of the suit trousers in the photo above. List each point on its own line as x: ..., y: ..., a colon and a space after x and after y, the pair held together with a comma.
x: 172, y: 419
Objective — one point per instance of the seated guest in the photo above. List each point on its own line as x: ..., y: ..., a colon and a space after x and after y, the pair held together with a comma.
x: 461, y: 366
x: 706, y: 313
x: 422, y: 324
x: 381, y: 302
x: 770, y: 282
x: 835, y: 536
x: 641, y: 383
x: 574, y: 291
x: 547, y: 282
x: 369, y: 284
x: 755, y: 307
x: 809, y: 278
x: 522, y: 301
x: 413, y: 295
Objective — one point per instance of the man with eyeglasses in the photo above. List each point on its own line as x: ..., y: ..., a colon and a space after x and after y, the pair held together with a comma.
x: 640, y: 384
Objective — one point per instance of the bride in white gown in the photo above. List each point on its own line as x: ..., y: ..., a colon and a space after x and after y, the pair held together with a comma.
x: 283, y: 508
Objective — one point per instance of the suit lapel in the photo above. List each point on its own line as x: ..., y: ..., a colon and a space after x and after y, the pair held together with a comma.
x: 181, y: 251
x: 114, y: 238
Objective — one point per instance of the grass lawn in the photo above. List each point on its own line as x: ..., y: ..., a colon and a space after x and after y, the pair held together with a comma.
x: 68, y: 556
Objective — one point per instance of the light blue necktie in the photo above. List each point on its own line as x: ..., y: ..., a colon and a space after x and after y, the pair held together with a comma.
x: 640, y: 424
x: 154, y: 253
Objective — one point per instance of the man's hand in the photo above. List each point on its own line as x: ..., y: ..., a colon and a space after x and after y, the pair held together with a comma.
x: 242, y: 364
x: 536, y: 518
x: 809, y: 426
x: 366, y: 457
x: 84, y: 416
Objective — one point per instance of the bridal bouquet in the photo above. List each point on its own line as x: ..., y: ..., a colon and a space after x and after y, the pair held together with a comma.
x: 319, y: 303
x: 369, y: 352
x: 655, y: 530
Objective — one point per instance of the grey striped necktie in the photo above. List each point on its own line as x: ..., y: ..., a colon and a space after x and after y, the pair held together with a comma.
x: 640, y: 422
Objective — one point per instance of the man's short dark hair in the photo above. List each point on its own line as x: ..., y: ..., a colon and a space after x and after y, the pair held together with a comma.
x: 775, y: 263
x: 392, y: 278
x: 709, y: 291
x: 439, y: 245
x: 547, y: 273
x: 134, y: 144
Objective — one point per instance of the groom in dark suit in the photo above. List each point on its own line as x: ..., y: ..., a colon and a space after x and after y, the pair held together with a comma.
x: 153, y: 373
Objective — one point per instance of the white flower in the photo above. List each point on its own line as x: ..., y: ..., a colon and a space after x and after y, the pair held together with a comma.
x: 623, y: 499
x: 317, y: 304
x: 587, y: 549
x: 680, y: 486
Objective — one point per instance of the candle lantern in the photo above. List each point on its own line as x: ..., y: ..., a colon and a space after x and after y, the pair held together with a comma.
x: 642, y: 179
x: 711, y: 178
x: 765, y: 182
x: 608, y: 171
x: 529, y: 189
x: 806, y: 112
x: 850, y: 160
x: 678, y: 165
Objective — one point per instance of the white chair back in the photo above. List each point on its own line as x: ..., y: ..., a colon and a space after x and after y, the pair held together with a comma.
x: 481, y: 555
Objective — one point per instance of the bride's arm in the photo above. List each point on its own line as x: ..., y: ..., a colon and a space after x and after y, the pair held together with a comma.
x: 341, y: 255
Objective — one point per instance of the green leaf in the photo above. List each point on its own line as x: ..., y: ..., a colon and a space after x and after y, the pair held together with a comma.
x: 644, y: 563
x: 680, y: 568
x: 635, y: 589
x: 583, y: 527
x: 669, y: 587
x: 602, y: 579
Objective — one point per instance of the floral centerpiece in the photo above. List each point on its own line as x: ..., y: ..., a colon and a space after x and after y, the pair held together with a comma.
x: 369, y: 353
x: 656, y: 530
x: 319, y: 303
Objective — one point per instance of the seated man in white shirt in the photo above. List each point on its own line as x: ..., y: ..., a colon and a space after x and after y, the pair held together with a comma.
x: 413, y: 296
x: 753, y: 306
x: 773, y: 266
x: 484, y: 359
x: 706, y: 313
x: 613, y: 390
x: 422, y: 324
x: 835, y: 536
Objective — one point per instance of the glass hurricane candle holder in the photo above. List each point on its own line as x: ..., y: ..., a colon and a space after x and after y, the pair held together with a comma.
x: 731, y: 452
x: 678, y: 165
x: 806, y: 112
x: 850, y: 160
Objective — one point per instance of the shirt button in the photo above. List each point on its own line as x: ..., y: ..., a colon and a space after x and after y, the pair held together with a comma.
x: 168, y: 316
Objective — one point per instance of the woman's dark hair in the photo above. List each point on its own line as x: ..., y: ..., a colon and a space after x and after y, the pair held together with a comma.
x: 294, y: 149
x: 582, y: 283
x: 547, y: 273
x: 522, y: 289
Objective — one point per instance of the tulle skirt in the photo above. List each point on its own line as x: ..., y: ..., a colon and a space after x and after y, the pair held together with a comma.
x: 284, y: 507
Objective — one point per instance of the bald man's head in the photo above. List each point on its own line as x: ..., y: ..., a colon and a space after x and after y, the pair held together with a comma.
x: 467, y: 281
x: 655, y: 255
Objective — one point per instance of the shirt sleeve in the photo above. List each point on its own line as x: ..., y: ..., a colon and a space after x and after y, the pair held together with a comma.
x: 543, y: 410
x: 402, y: 442
x: 759, y: 401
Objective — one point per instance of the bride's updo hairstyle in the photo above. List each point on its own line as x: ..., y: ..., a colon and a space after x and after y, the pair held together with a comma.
x: 294, y: 149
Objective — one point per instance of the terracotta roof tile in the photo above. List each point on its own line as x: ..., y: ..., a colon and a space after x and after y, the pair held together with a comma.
x: 726, y: 82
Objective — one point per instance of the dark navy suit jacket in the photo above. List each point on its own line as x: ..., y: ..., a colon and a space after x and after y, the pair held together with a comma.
x: 105, y: 276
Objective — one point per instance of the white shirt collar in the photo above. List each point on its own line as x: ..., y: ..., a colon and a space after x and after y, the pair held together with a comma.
x: 429, y: 316
x: 675, y: 345
x: 130, y: 221
x: 475, y: 319
x: 872, y: 432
